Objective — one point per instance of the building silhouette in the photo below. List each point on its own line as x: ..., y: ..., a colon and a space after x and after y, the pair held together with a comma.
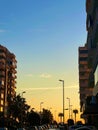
x: 84, y: 71
x: 7, y: 78
x: 88, y: 66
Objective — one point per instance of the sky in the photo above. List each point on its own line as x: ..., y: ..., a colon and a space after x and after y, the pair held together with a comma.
x: 45, y: 36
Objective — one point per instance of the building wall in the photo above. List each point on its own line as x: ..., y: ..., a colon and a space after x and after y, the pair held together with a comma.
x: 89, y: 87
x: 7, y: 77
x: 84, y: 71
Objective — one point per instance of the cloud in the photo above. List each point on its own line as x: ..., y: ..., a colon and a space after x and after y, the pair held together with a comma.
x: 48, y: 88
x: 73, y: 86
x: 45, y: 75
x: 40, y: 88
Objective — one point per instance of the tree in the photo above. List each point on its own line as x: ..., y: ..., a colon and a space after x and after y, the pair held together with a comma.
x: 18, y: 109
x: 70, y: 122
x: 75, y: 111
x: 61, y: 116
x: 33, y: 118
x: 47, y: 117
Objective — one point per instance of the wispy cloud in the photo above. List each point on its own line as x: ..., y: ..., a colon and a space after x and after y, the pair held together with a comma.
x: 45, y: 75
x: 73, y: 86
x: 47, y: 88
x: 41, y: 88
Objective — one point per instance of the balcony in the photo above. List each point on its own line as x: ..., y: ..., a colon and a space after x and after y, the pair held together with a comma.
x: 13, y: 66
x: 84, y: 70
x: 89, y: 6
x: 2, y: 67
x: 84, y: 85
x: 86, y: 76
x: 2, y: 60
x: 11, y: 88
x: 86, y: 92
x: 2, y: 74
x: 12, y: 83
x: 83, y: 62
x: 2, y: 55
x: 12, y: 77
x: 83, y: 55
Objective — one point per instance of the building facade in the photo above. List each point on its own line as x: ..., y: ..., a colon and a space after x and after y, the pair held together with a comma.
x: 84, y: 71
x: 8, y: 65
x: 88, y: 60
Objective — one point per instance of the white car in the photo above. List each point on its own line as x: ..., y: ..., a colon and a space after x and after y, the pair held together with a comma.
x: 84, y: 128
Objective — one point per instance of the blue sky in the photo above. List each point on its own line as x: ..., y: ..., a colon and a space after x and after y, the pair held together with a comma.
x: 45, y: 36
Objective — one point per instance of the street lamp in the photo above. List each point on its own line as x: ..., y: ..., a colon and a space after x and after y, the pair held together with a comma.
x: 22, y: 99
x: 23, y: 93
x: 41, y: 106
x: 41, y: 112
x: 63, y: 97
x: 71, y: 111
x: 69, y: 106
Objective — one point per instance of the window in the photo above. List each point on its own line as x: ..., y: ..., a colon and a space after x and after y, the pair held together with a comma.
x: 2, y: 95
x: 83, y: 51
x: 2, y: 82
x: 2, y: 102
x: 1, y: 109
x: 83, y: 59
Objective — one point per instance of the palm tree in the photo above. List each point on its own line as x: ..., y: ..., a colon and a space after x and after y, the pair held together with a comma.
x: 61, y: 116
x: 47, y: 117
x: 18, y: 109
x: 75, y: 111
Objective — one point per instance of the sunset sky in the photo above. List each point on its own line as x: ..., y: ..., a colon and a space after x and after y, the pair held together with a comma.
x: 45, y: 36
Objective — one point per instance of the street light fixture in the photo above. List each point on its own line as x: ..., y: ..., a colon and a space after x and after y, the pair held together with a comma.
x: 71, y: 111
x: 63, y: 98
x: 41, y: 112
x: 23, y: 93
x: 41, y: 106
x: 22, y: 99
x: 69, y: 106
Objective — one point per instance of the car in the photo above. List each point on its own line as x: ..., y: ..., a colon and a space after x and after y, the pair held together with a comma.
x: 73, y: 127
x: 84, y: 128
x: 4, y: 128
x: 21, y: 129
x: 92, y: 127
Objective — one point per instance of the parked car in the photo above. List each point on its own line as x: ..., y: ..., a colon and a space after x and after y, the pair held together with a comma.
x: 4, y: 128
x: 84, y: 128
x: 73, y: 127
x: 87, y: 127
x: 21, y: 129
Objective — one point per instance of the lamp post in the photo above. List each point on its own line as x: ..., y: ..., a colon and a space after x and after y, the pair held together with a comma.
x: 22, y: 107
x: 69, y: 106
x: 63, y: 98
x: 71, y: 112
x: 23, y: 93
x: 41, y: 112
x: 41, y: 106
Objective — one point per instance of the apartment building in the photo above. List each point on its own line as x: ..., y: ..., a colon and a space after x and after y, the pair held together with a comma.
x: 92, y: 41
x: 84, y: 71
x: 7, y: 78
x: 88, y: 65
